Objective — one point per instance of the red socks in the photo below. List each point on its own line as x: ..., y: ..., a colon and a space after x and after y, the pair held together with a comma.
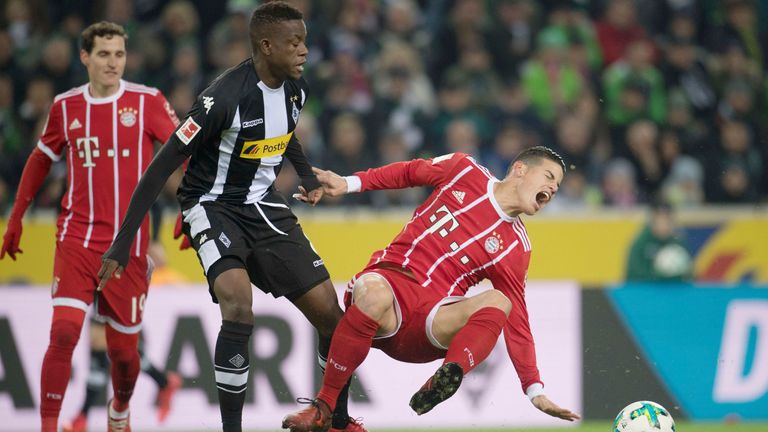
x: 473, y: 343
x: 57, y: 363
x: 349, y: 347
x: 354, y: 335
x: 124, y: 355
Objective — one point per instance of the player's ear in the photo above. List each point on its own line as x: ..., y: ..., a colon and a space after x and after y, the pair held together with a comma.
x: 265, y: 46
x: 84, y: 57
x: 519, y: 168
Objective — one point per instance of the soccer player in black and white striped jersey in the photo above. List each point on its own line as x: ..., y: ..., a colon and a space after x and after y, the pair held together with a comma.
x: 237, y: 135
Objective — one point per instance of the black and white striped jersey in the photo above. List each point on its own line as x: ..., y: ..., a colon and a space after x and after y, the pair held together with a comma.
x: 237, y: 134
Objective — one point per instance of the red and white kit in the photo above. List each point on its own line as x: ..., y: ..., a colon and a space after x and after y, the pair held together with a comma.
x: 456, y: 238
x: 108, y: 144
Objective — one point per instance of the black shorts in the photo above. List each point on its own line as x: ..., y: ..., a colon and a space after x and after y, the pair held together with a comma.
x: 265, y: 239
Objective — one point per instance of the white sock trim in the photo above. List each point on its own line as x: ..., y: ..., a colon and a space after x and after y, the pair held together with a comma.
x: 118, y: 415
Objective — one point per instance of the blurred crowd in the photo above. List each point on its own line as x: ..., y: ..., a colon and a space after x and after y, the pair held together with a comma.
x: 645, y: 99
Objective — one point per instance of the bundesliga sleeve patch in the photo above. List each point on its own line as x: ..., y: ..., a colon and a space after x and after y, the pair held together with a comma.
x: 188, y: 130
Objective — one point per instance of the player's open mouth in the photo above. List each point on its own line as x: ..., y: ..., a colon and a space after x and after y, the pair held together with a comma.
x: 542, y: 197
x: 300, y: 67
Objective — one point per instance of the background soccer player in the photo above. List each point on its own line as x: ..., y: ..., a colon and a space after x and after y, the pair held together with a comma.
x: 409, y: 301
x: 106, y: 130
x: 237, y: 133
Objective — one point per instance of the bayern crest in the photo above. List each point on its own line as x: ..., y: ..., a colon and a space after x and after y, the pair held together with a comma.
x: 127, y: 116
x: 492, y: 244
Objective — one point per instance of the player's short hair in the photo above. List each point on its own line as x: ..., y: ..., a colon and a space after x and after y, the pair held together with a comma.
x: 269, y: 13
x: 534, y: 155
x: 103, y: 29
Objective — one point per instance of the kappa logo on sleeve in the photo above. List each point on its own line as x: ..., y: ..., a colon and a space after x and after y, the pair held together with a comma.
x: 208, y: 103
x: 187, y: 131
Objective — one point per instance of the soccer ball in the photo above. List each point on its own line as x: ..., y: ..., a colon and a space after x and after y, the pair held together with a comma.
x: 644, y: 416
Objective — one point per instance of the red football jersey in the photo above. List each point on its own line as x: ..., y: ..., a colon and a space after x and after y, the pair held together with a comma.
x: 108, y: 143
x: 460, y: 236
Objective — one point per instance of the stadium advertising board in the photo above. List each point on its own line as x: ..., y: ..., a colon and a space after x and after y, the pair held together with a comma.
x: 708, y: 344
x: 182, y: 325
x: 724, y: 247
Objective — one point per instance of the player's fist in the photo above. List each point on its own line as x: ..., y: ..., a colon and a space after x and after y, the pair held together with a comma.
x: 11, y: 239
x: 178, y: 232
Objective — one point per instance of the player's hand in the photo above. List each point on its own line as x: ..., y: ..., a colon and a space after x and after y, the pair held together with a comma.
x: 11, y: 239
x: 547, y: 406
x: 312, y: 197
x: 333, y: 184
x: 177, y: 232
x: 108, y: 268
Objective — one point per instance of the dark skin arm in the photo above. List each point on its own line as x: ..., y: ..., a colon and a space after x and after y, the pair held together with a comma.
x: 310, y: 191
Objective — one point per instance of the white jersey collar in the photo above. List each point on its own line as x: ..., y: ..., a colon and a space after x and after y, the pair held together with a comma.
x: 108, y: 99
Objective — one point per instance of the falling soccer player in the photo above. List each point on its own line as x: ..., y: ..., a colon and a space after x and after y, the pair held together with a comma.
x: 410, y: 300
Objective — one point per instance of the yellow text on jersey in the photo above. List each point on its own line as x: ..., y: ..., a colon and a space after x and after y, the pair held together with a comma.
x: 267, y: 147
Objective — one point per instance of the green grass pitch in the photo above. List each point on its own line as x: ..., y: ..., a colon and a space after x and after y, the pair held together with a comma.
x: 597, y: 427
x: 607, y: 427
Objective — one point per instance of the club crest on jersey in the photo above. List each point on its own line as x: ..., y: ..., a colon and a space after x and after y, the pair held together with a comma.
x: 187, y: 131
x: 494, y: 243
x: 295, y: 113
x: 265, y: 148
x: 127, y: 116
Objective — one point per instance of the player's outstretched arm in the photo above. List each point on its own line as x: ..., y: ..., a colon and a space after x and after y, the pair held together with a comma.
x: 547, y: 406
x: 333, y: 184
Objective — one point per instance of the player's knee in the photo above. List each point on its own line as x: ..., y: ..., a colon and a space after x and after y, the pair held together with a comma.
x: 122, y: 355
x: 498, y: 300
x: 122, y: 348
x: 327, y: 324
x: 238, y: 311
x: 373, y: 296
x: 64, y: 334
x: 235, y: 299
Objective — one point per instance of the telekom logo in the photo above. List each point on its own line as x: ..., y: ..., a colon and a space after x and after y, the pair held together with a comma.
x: 445, y: 224
x: 88, y: 148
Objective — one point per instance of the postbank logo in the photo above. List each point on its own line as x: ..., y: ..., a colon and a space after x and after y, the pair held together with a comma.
x: 265, y: 148
x: 731, y: 252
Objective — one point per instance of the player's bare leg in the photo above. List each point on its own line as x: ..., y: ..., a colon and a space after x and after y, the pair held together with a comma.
x: 469, y: 329
x: 371, y: 313
x: 231, y: 356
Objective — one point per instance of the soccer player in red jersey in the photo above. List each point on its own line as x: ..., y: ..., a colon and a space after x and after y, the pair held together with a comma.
x: 409, y: 301
x: 106, y: 130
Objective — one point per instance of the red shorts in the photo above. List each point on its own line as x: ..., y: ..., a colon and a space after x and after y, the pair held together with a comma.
x: 415, y: 307
x: 120, y: 303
